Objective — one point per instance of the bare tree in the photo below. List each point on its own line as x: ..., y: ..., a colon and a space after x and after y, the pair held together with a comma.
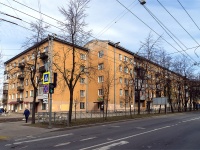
x: 129, y: 80
x: 74, y: 30
x: 106, y: 86
x: 150, y: 47
x: 30, y: 67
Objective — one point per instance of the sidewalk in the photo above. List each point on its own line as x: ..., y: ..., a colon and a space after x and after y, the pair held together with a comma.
x: 12, y: 126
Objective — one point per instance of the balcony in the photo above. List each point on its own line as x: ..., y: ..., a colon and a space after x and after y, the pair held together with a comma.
x: 42, y: 69
x: 5, y: 100
x: 20, y: 100
x: 43, y: 55
x: 5, y: 89
x: 20, y: 88
x: 21, y: 65
x: 21, y: 76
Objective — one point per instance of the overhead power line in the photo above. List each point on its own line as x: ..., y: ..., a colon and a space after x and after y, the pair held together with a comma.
x: 188, y: 14
x: 178, y: 22
x: 149, y: 27
x: 167, y: 30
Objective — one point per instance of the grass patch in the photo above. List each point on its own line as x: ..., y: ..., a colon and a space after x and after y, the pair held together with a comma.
x: 89, y: 121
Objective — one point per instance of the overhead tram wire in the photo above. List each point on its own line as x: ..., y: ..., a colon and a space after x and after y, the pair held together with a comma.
x: 42, y: 21
x: 188, y: 14
x: 84, y: 33
x: 149, y: 27
x: 167, y: 30
x: 115, y: 20
x: 178, y: 22
x: 111, y: 59
x: 192, y: 21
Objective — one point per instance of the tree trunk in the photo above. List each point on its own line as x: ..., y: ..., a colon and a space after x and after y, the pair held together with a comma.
x: 70, y: 106
x: 138, y: 102
x: 34, y: 107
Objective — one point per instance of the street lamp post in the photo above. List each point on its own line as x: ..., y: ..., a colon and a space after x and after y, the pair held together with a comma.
x: 116, y: 44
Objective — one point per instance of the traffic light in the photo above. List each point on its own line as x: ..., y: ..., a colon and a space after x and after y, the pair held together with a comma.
x: 51, y: 88
x: 55, y: 79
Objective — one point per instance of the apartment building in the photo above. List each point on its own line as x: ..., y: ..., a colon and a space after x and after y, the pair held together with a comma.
x: 113, y: 78
x: 18, y: 90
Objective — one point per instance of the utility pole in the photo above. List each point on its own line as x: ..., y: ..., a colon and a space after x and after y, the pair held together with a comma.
x: 51, y: 72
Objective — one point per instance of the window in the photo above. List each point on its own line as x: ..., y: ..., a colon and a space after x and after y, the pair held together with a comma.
x: 9, y: 96
x: 36, y: 80
x: 26, y: 94
x: 120, y: 92
x: 100, y: 79
x: 131, y: 71
x: 16, y: 95
x: 120, y: 57
x: 126, y: 93
x: 31, y: 93
x: 120, y: 79
x: 14, y: 64
x: 23, y: 60
x: 100, y: 54
x: 125, y: 58
x: 13, y: 96
x: 83, y: 56
x: 125, y: 69
x: 82, y: 80
x: 38, y: 54
x: 44, y: 106
x: 82, y: 68
x: 21, y: 106
x: 82, y: 93
x: 26, y: 82
x: 46, y: 49
x: 13, y: 85
x: 126, y: 81
x: 82, y: 105
x: 100, y: 92
x: 33, y: 56
x: 100, y: 66
x: 120, y: 68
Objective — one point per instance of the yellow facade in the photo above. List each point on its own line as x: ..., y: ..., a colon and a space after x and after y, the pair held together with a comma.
x: 109, y: 68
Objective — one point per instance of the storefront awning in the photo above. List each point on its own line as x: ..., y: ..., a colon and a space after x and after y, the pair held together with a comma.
x: 13, y: 103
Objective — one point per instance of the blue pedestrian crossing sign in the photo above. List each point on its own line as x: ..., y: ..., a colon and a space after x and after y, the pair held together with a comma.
x: 46, y: 78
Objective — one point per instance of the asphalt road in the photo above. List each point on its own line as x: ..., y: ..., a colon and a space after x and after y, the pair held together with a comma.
x: 177, y: 131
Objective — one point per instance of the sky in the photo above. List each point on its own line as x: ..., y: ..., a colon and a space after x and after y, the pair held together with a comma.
x: 109, y: 20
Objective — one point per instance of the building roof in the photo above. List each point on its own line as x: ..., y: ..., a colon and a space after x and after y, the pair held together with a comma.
x: 135, y: 55
x: 42, y: 42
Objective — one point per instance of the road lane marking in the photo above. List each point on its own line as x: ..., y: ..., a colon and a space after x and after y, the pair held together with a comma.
x: 140, y: 128
x: 124, y: 138
x: 115, y: 126
x: 8, y: 144
x: 88, y: 139
x: 62, y: 144
x: 41, y: 139
x: 25, y: 138
x: 112, y: 145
